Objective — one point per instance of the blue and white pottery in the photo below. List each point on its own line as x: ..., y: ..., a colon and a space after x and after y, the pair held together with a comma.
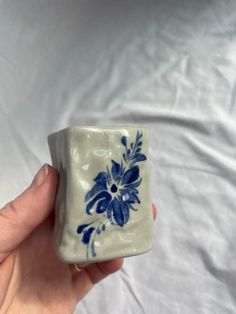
x: 103, y: 203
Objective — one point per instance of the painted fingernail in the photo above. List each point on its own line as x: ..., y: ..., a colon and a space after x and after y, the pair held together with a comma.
x: 40, y: 176
x: 154, y: 211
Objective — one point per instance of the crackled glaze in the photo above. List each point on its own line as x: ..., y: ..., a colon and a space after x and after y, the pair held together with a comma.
x: 103, y: 204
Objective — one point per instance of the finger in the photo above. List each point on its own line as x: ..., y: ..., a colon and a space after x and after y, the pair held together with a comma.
x: 154, y: 211
x: 22, y: 215
x: 99, y: 271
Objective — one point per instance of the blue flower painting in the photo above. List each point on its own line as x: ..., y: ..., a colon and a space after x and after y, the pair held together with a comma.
x: 114, y: 194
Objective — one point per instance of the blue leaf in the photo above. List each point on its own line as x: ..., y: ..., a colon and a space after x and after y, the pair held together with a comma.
x: 103, y: 227
x: 96, y: 188
x: 137, y: 158
x: 98, y: 231
x: 82, y: 227
x: 140, y: 135
x: 123, y: 140
x: 124, y: 157
x: 103, y: 204
x: 130, y: 175
x: 99, y: 196
x: 93, y: 249
x: 138, y: 150
x: 115, y: 169
x: 140, y: 143
x: 101, y: 178
x: 128, y: 152
x: 140, y: 157
x: 87, y: 235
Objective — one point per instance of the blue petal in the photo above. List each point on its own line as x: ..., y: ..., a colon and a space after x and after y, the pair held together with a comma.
x: 101, y: 195
x: 130, y: 196
x: 96, y: 188
x: 115, y: 169
x: 101, y: 178
x: 125, y: 210
x: 128, y: 189
x: 87, y: 235
x: 103, y: 204
x: 82, y: 227
x: 130, y: 175
x: 120, y: 212
x: 133, y: 198
x: 134, y: 185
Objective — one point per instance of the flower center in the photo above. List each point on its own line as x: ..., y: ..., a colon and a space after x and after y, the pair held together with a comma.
x: 113, y: 188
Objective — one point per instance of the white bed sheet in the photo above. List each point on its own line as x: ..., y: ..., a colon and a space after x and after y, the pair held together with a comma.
x: 169, y: 65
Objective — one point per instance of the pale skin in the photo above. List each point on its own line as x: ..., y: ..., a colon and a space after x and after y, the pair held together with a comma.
x: 32, y: 278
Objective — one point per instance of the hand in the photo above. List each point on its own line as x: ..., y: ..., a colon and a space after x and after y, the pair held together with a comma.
x: 32, y: 278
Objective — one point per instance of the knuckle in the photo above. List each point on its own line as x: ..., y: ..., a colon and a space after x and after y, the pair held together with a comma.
x: 12, y: 208
x: 13, y: 214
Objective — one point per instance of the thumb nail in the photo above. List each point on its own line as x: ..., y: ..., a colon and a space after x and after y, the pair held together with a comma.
x: 40, y: 176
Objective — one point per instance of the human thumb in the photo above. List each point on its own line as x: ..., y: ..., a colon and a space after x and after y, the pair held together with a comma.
x: 21, y: 216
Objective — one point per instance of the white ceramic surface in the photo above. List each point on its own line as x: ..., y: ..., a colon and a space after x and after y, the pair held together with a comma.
x: 103, y: 204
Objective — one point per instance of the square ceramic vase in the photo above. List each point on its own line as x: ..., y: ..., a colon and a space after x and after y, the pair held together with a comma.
x: 103, y: 203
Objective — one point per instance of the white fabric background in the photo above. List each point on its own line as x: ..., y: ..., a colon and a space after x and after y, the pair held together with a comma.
x: 169, y: 65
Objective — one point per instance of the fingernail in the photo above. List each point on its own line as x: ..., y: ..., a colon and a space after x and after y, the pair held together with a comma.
x: 40, y: 176
x: 154, y: 211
